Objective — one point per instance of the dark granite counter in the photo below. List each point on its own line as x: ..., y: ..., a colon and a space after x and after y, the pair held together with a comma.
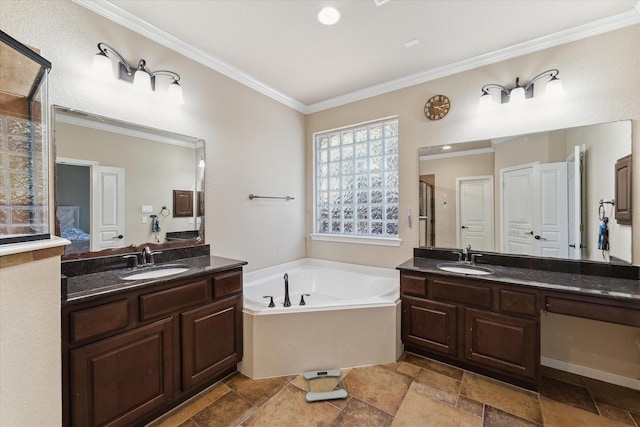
x: 584, y: 284
x: 84, y: 287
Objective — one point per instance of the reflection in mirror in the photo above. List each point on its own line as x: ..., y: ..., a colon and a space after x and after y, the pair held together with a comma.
x: 538, y: 194
x: 115, y: 184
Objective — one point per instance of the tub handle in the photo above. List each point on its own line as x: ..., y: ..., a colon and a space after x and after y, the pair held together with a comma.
x: 271, y: 303
x: 302, y: 301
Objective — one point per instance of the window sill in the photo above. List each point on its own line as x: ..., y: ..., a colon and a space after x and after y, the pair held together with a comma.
x: 361, y: 240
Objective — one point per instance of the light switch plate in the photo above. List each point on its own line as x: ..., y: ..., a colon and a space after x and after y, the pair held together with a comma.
x: 147, y: 208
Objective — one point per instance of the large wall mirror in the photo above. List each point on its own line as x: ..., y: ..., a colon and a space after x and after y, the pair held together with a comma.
x: 119, y: 185
x: 549, y: 194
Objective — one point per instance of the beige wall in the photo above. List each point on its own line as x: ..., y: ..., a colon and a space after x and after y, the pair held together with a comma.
x: 600, y: 80
x: 30, y: 355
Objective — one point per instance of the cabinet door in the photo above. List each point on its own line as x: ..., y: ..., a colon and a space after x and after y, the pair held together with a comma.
x: 429, y: 324
x: 117, y: 380
x: 504, y: 342
x: 211, y: 340
x: 623, y: 190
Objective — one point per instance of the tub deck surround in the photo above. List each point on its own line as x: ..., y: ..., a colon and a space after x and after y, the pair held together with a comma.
x: 351, y: 318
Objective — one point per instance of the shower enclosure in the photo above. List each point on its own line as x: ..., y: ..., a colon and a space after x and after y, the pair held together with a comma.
x: 24, y: 157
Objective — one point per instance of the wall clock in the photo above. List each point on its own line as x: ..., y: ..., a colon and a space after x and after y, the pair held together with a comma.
x: 437, y: 107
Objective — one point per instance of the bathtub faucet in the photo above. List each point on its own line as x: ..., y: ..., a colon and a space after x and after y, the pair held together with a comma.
x: 287, y: 302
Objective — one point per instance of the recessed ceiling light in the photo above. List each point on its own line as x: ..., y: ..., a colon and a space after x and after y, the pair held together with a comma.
x: 329, y: 15
x: 446, y: 147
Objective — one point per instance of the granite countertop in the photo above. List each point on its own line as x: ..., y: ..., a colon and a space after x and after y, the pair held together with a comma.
x: 84, y: 287
x: 624, y: 289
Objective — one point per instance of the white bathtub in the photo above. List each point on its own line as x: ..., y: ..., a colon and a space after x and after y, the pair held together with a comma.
x: 351, y: 318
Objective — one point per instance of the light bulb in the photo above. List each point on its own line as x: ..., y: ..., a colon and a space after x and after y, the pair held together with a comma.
x: 486, y: 102
x: 516, y: 96
x: 175, y: 93
x: 102, y: 66
x: 554, y: 89
x: 142, y: 81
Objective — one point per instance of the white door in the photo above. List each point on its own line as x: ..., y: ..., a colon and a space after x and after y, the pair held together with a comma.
x: 575, y: 171
x: 516, y: 200
x: 550, y: 215
x: 475, y: 213
x: 535, y: 218
x: 107, y: 208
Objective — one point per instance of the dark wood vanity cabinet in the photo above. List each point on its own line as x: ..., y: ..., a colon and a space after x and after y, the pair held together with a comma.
x: 129, y: 358
x: 478, y: 325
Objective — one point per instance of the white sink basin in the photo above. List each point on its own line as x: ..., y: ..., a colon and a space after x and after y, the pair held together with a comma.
x: 465, y: 269
x: 156, y: 272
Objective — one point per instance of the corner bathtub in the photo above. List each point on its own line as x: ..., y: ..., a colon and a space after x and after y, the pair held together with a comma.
x: 351, y: 318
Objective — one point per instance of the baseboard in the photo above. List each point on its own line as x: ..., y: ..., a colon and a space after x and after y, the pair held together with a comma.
x: 620, y: 380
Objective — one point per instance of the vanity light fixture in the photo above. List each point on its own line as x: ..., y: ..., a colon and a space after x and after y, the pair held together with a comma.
x: 141, y: 79
x: 519, y: 94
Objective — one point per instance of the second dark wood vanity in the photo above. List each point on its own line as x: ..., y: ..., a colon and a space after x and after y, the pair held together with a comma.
x: 133, y: 351
x: 491, y: 324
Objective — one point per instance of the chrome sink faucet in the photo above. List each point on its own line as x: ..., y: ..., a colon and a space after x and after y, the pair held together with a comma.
x: 466, y: 254
x: 147, y: 256
x: 287, y: 302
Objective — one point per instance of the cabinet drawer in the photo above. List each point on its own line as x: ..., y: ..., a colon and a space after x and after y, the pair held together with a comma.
x: 413, y: 285
x: 515, y: 302
x: 171, y: 300
x: 99, y: 321
x: 227, y: 284
x: 464, y: 293
x: 592, y: 310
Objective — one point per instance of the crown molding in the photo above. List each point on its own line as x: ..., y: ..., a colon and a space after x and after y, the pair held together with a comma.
x: 126, y: 19
x: 132, y: 22
x: 615, y: 22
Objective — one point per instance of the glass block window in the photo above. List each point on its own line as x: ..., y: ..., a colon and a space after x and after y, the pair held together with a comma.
x: 356, y: 180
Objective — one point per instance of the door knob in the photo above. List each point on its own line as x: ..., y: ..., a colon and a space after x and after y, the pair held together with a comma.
x: 538, y: 237
x: 464, y: 226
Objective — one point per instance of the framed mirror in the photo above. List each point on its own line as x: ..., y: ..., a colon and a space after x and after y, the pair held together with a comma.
x: 115, y: 184
x: 548, y: 194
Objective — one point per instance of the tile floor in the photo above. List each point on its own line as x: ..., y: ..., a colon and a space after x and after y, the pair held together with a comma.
x: 415, y: 391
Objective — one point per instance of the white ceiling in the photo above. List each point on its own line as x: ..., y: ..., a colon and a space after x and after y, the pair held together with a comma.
x: 279, y: 48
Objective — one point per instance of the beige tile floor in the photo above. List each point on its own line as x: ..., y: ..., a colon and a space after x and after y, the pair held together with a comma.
x: 415, y: 391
